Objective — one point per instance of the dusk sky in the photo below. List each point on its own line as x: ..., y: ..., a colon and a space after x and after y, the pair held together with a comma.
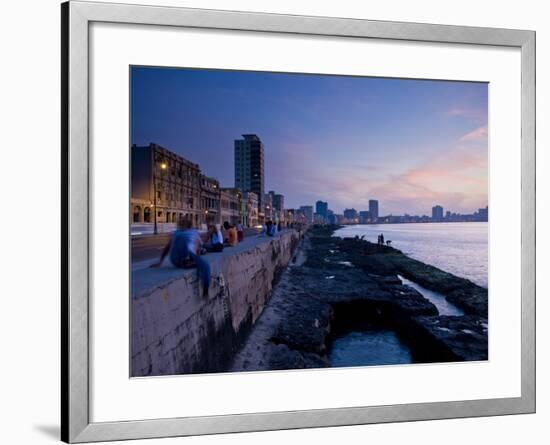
x: 411, y: 144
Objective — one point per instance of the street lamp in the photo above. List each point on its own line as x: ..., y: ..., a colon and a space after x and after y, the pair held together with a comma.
x: 163, y: 167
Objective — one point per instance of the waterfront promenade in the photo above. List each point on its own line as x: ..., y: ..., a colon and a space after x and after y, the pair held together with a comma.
x: 280, y: 302
x: 176, y: 329
x: 146, y: 249
x: 145, y: 277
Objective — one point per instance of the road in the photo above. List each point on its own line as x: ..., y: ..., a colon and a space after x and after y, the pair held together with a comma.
x: 148, y: 246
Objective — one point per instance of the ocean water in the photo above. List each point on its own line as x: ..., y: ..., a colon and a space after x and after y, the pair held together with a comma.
x: 457, y: 248
x: 367, y: 348
x: 443, y: 306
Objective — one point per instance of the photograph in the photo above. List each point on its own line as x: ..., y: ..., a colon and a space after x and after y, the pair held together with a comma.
x: 281, y: 222
x: 287, y: 221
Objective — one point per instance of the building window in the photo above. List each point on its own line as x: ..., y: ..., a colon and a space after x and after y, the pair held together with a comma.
x: 137, y: 214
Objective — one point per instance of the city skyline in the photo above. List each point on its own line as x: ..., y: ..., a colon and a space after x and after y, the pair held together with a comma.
x: 276, y: 200
x: 438, y: 155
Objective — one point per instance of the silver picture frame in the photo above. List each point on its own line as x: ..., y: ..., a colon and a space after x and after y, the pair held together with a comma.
x: 75, y: 396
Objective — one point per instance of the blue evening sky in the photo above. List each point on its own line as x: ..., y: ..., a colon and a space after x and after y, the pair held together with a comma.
x: 410, y: 144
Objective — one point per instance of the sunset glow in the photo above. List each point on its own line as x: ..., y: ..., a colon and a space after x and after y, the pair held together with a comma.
x: 410, y: 144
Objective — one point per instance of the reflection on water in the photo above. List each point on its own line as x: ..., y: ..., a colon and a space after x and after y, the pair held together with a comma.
x: 458, y: 248
x: 372, y: 347
x: 439, y: 301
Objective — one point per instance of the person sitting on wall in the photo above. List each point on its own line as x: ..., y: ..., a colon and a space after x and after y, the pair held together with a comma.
x: 215, y: 239
x: 184, y: 247
x: 240, y: 232
x: 269, y: 228
x: 226, y: 227
x: 231, y: 237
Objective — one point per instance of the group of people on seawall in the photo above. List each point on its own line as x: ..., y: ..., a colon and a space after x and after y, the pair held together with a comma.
x: 270, y: 228
x: 187, y: 246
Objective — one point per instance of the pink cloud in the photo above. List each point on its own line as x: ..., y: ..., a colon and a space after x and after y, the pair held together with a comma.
x: 468, y: 113
x: 478, y: 135
x: 457, y: 180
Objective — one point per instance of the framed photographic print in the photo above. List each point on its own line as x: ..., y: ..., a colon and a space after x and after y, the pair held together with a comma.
x: 276, y: 222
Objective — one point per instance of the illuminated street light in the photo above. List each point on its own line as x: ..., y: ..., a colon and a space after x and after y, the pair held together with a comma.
x: 163, y: 166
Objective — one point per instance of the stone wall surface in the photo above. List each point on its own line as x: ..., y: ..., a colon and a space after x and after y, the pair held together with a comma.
x: 177, y: 330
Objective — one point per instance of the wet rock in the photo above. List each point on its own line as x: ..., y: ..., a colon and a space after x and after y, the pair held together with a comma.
x: 312, y: 360
x: 389, y: 280
x: 325, y: 297
x: 472, y: 299
x: 410, y: 302
x: 308, y: 326
x: 464, y: 338
x: 282, y: 357
x: 386, y: 262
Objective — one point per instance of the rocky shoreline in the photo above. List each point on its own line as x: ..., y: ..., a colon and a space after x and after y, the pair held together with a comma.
x: 339, y: 285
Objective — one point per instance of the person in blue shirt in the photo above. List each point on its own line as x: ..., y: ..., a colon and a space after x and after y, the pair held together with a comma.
x: 184, y: 248
x: 269, y: 228
x: 215, y: 239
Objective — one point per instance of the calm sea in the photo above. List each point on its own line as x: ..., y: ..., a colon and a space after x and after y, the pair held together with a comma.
x: 458, y: 248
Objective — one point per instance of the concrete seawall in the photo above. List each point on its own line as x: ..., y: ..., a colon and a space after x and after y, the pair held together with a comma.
x: 176, y: 330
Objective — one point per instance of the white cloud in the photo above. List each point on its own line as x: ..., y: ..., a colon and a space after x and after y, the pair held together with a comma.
x: 478, y: 135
